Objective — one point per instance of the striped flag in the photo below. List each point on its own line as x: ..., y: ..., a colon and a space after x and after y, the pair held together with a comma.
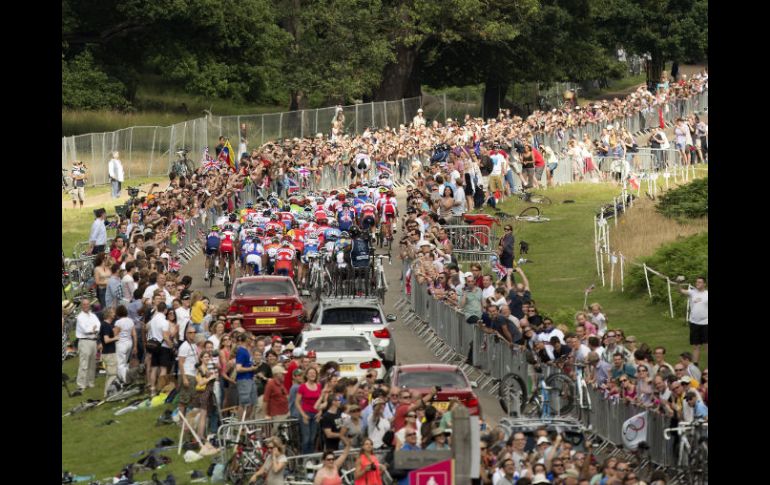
x: 383, y: 167
x: 498, y: 268
x: 174, y: 266
x: 207, y: 162
x: 293, y: 186
x: 227, y: 155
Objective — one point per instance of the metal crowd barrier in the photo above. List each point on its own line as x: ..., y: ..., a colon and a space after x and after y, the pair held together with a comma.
x: 448, y: 336
x: 229, y: 433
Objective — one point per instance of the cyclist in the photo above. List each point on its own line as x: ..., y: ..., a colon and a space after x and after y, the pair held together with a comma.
x: 368, y: 217
x: 362, y: 162
x: 359, y: 250
x: 360, y: 200
x: 346, y: 216
x: 254, y: 255
x: 271, y: 250
x: 388, y: 210
x: 212, y: 248
x: 286, y: 217
x: 246, y: 214
x: 284, y: 259
x: 275, y: 224
x: 227, y: 247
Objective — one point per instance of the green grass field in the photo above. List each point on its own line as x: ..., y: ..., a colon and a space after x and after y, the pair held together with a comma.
x: 102, y: 451
x: 564, y: 266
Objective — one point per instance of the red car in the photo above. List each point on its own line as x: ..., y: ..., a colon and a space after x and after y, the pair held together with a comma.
x: 268, y: 304
x: 453, y: 383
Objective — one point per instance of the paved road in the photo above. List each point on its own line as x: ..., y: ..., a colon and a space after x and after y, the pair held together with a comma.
x: 409, y: 349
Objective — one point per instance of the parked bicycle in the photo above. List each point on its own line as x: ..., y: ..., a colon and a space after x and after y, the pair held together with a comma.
x: 692, y: 459
x: 533, y: 198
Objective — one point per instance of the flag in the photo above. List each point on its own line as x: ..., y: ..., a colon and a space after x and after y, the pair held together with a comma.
x: 292, y: 187
x: 228, y: 157
x: 634, y: 181
x: 174, y: 266
x: 661, y: 120
x: 383, y: 167
x: 210, y: 165
x: 634, y: 431
x: 206, y: 155
x: 498, y: 268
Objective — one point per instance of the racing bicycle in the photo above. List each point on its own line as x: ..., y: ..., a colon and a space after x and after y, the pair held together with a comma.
x: 380, y: 283
x: 693, y: 450
x: 533, y: 198
x: 531, y: 214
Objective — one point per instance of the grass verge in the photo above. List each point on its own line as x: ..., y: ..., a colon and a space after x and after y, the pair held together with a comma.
x: 564, y: 266
x: 91, y: 448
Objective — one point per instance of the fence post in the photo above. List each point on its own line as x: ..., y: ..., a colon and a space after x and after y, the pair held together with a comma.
x: 670, y: 302
x: 372, y: 103
x: 280, y: 126
x: 385, y: 111
x: 316, y: 123
x: 302, y: 124
x: 622, y: 289
x: 403, y: 109
x: 356, y: 122
x: 445, y: 107
x: 647, y: 279
x: 262, y: 141
x: 130, y: 150
x: 152, y: 153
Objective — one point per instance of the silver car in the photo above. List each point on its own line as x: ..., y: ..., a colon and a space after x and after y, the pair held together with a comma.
x: 359, y: 314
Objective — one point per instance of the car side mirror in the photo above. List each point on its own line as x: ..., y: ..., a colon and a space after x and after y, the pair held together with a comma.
x: 391, y: 317
x: 474, y: 384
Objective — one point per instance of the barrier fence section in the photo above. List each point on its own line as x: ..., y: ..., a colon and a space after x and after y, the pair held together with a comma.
x: 492, y: 357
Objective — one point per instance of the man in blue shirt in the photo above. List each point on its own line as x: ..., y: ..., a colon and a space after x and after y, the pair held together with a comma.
x: 701, y: 411
x: 98, y: 238
x: 410, y: 444
x: 244, y: 367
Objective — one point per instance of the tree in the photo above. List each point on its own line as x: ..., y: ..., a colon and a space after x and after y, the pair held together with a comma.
x: 667, y: 30
x: 85, y: 86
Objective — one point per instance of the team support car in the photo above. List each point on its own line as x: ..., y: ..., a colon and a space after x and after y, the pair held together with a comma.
x: 359, y: 314
x: 268, y: 305
x: 352, y: 350
x: 451, y: 381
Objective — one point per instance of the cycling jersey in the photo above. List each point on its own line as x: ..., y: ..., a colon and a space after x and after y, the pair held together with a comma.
x: 227, y: 243
x: 387, y: 206
x: 283, y: 261
x: 346, y: 218
x: 212, y: 242
x: 320, y: 215
x: 359, y: 253
x: 276, y: 226
x: 286, y: 218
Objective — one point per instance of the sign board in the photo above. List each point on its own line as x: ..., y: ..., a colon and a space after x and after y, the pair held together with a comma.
x: 475, y: 447
x: 441, y: 473
x: 411, y: 460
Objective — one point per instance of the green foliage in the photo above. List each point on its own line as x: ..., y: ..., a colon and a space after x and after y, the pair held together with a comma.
x: 687, y: 257
x: 689, y: 200
x: 86, y: 86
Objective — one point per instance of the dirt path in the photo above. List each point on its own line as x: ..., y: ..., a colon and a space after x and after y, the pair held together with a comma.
x: 106, y: 199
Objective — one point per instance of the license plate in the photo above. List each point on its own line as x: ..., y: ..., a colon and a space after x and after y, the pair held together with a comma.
x: 265, y: 309
x: 264, y: 321
x: 348, y: 368
x: 441, y: 406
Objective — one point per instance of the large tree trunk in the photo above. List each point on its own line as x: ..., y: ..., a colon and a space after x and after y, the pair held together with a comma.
x: 399, y: 79
x: 655, y: 68
x: 298, y: 101
x: 495, y: 89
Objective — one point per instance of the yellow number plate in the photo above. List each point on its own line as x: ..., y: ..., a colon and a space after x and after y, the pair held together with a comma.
x: 348, y: 368
x: 265, y: 309
x: 441, y: 406
x: 264, y: 321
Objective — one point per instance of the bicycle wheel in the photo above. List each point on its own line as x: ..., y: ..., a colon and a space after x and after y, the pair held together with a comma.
x: 228, y: 283
x: 539, y: 199
x: 512, y: 389
x: 533, y: 407
x: 123, y: 395
x: 530, y: 211
x: 562, y: 393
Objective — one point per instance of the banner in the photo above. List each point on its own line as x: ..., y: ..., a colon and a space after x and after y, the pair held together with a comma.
x: 441, y: 473
x: 635, y: 431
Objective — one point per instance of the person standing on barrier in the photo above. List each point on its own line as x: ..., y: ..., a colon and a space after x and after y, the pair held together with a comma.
x: 470, y: 301
x: 699, y: 317
x: 115, y: 169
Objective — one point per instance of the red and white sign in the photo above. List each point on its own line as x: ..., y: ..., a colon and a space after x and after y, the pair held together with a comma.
x: 441, y: 473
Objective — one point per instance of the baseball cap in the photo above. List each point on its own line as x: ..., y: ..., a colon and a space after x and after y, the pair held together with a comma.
x: 542, y: 440
x: 278, y: 369
x: 277, y: 338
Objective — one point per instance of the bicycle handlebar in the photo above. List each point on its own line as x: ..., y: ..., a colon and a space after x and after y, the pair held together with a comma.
x: 685, y: 427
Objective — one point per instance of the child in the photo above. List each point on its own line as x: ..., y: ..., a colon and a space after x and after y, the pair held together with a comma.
x: 582, y: 319
x: 598, y: 318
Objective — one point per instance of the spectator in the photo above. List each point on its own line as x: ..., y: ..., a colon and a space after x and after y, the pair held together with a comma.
x: 244, y: 369
x: 188, y: 363
x: 505, y: 248
x: 205, y: 378
x: 355, y: 426
x: 78, y: 183
x: 275, y: 462
x: 107, y: 348
x: 660, y: 362
x: 493, y: 323
x: 307, y: 396
x: 470, y: 301
x: 377, y: 425
x: 97, y: 239
x: 276, y: 397
x: 115, y: 169
x: 126, y: 346
x: 330, y: 472
x: 621, y: 367
x: 699, y: 315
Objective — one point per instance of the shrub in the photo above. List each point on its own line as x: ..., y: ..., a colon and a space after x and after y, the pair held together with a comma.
x: 690, y: 200
x: 687, y: 257
x: 86, y: 86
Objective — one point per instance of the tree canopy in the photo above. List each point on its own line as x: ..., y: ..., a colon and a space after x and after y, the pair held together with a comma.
x: 302, y: 52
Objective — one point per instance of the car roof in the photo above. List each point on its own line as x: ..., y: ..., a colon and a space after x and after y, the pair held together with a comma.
x: 428, y: 367
x: 333, y: 332
x: 249, y: 279
x: 350, y: 302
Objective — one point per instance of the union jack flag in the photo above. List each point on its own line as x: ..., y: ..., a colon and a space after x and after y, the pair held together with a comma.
x: 174, y: 266
x: 383, y: 167
x: 498, y: 268
x: 292, y: 186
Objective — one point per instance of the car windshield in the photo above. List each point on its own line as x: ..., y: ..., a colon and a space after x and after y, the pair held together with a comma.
x: 338, y: 344
x: 432, y: 378
x: 265, y: 287
x: 351, y: 316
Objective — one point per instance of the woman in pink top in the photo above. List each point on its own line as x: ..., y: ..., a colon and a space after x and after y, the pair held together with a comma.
x: 329, y: 473
x: 307, y: 395
x: 582, y: 319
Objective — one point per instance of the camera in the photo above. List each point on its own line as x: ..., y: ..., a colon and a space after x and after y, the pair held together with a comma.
x: 133, y: 191
x: 215, y: 353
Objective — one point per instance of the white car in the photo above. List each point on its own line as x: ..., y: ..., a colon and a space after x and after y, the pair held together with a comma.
x: 352, y: 350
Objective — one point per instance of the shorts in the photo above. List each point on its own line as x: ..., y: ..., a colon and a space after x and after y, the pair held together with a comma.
x: 211, y: 251
x: 78, y: 193
x: 539, y: 172
x: 247, y: 392
x: 186, y: 393
x: 495, y: 183
x: 163, y: 357
x: 282, y: 272
x: 680, y: 146
x: 367, y: 222
x: 699, y: 334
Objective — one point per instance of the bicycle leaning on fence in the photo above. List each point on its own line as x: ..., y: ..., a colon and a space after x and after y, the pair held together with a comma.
x: 693, y: 456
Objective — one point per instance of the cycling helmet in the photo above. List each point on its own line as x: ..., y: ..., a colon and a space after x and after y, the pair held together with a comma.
x: 273, y: 217
x: 383, y: 190
x: 333, y: 237
x: 275, y: 239
x: 286, y: 243
x: 270, y: 232
x: 249, y: 205
x: 346, y: 205
x: 320, y: 200
x: 355, y: 231
x: 333, y: 223
x: 273, y: 195
x: 228, y: 227
x: 286, y: 208
x: 266, y: 213
x: 361, y: 191
x: 260, y: 231
x: 294, y: 224
x: 345, y: 235
x: 286, y: 238
x: 215, y: 228
x: 232, y: 217
x: 308, y: 209
x: 385, y: 176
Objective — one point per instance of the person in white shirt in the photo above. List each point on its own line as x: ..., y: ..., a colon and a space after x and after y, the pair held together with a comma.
x: 419, y: 120
x: 86, y: 331
x: 125, y: 347
x: 160, y: 283
x: 579, y: 351
x: 377, y: 425
x: 162, y: 358
x: 183, y: 315
x: 115, y: 168
x: 188, y: 360
x: 97, y: 239
x: 488, y: 291
x: 699, y: 317
x: 128, y: 283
